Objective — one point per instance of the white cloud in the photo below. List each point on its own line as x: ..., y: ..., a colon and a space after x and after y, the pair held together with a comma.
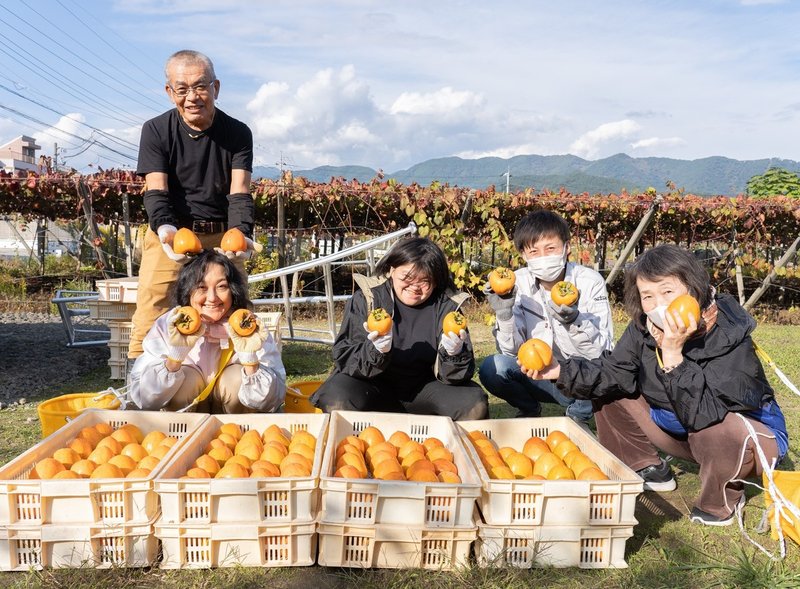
x: 445, y: 102
x: 507, y: 152
x: 588, y: 145
x: 658, y: 142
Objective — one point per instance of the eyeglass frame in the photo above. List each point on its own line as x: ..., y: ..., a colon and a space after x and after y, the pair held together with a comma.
x: 199, y: 89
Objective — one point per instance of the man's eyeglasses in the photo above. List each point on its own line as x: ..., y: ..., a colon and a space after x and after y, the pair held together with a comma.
x: 183, y: 91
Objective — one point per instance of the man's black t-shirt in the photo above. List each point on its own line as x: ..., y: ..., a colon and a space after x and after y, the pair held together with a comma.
x: 199, y: 169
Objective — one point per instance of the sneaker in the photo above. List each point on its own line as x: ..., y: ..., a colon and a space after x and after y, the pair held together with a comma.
x: 699, y: 516
x: 658, y: 477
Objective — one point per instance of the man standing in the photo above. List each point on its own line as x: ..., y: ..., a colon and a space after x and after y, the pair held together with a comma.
x: 197, y: 163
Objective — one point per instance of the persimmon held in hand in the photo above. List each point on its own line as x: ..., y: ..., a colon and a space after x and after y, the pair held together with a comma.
x: 535, y: 354
x: 187, y: 320
x: 454, y: 322
x: 233, y: 241
x: 564, y: 293
x: 502, y: 280
x: 686, y: 305
x: 379, y: 320
x: 243, y: 322
x: 186, y: 242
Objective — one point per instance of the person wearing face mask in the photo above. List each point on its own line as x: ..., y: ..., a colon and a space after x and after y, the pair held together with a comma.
x: 239, y: 374
x: 416, y: 367
x: 583, y: 329
x: 693, y: 390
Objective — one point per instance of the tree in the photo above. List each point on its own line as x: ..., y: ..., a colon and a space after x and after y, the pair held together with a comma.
x: 773, y: 182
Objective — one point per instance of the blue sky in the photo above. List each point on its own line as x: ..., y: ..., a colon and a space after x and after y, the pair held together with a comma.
x: 390, y: 84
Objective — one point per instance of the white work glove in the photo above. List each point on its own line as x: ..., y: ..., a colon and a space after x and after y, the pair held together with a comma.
x: 166, y: 233
x: 453, y: 343
x: 180, y: 344
x: 382, y: 343
x: 253, y: 247
x: 247, y: 348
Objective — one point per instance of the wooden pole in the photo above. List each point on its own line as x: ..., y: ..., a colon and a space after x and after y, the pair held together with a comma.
x: 768, y: 280
x: 637, y: 235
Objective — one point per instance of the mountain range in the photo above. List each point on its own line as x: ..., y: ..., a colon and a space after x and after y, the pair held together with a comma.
x: 714, y: 175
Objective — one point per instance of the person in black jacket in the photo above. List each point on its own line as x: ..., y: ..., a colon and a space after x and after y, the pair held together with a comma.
x: 415, y: 368
x: 684, y: 389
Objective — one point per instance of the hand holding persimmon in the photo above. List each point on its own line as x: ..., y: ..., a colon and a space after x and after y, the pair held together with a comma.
x: 535, y: 354
x: 379, y: 320
x: 502, y: 280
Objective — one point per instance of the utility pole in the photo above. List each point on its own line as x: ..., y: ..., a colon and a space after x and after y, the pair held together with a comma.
x: 508, y: 178
x: 55, y: 157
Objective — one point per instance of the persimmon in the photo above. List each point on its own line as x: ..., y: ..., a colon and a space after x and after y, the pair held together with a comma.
x: 371, y: 435
x: 186, y: 242
x: 47, y: 468
x: 233, y: 241
x: 454, y: 322
x: 243, y: 322
x: 379, y: 320
x: 232, y: 471
x: 535, y: 354
x: 685, y: 305
x: 554, y: 438
x: 152, y: 440
x: 448, y: 477
x: 591, y: 473
x: 564, y: 293
x: 107, y: 471
x: 187, y: 320
x: 502, y: 280
x: 347, y: 472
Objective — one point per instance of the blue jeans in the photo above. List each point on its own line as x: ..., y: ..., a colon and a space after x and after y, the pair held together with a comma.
x: 503, y: 378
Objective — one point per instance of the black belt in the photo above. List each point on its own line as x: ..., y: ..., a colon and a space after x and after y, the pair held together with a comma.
x: 209, y: 226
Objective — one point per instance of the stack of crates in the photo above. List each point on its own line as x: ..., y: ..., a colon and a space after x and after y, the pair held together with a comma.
x: 116, y: 305
x: 225, y: 522
x: 104, y: 523
x: 367, y: 523
x: 558, y: 523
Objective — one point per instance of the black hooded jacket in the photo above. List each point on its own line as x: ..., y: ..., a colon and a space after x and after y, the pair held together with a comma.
x: 720, y: 371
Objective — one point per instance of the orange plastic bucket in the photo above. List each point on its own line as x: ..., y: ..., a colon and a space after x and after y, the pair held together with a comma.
x: 297, y: 396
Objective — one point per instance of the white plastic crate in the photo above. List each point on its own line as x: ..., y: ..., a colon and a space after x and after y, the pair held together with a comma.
x: 562, y: 502
x: 391, y: 546
x: 265, y: 500
x: 119, y: 352
x: 25, y: 501
x: 70, y: 546
x: 118, y: 290
x: 120, y: 331
x: 227, y: 545
x: 373, y: 501
x: 118, y: 368
x: 110, y: 311
x: 587, y: 547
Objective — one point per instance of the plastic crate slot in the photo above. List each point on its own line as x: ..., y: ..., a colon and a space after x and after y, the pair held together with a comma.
x: 111, y: 505
x: 539, y: 432
x: 357, y: 551
x: 117, y: 423
x: 195, y: 505
x: 602, y: 506
x: 29, y: 507
x: 359, y: 426
x: 197, y: 551
x: 593, y: 550
x: 360, y: 505
x: 276, y: 549
x: 435, y: 553
x: 28, y: 552
x: 418, y: 432
x: 112, y: 550
x: 297, y: 427
x: 524, y: 506
x: 439, y: 509
x: 518, y: 552
x: 178, y: 430
x: 275, y: 504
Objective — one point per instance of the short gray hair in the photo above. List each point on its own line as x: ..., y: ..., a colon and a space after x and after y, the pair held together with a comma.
x: 189, y: 56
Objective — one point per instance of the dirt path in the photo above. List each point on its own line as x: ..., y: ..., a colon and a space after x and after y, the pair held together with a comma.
x: 34, y: 358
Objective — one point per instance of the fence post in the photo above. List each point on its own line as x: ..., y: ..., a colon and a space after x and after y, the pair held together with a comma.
x: 634, y: 240
x: 771, y: 276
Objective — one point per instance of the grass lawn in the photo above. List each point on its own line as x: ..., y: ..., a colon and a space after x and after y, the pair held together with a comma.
x: 665, y: 551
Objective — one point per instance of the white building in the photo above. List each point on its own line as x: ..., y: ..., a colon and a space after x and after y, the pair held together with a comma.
x: 19, y: 155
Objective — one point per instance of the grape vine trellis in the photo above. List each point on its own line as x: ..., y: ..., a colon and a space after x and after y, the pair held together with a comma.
x: 472, y: 226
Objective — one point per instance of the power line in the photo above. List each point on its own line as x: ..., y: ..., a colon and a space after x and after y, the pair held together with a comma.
x: 41, y: 70
x: 107, y: 135
x: 84, y: 72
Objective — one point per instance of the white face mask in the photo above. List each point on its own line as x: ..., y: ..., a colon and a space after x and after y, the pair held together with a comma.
x: 548, y: 268
x: 656, y: 315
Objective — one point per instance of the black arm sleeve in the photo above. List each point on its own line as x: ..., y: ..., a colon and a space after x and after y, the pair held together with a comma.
x: 241, y: 212
x: 159, y: 209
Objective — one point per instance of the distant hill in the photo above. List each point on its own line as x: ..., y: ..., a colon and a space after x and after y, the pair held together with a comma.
x: 706, y: 176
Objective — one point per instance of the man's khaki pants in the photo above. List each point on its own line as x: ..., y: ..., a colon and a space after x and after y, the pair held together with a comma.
x: 157, y: 275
